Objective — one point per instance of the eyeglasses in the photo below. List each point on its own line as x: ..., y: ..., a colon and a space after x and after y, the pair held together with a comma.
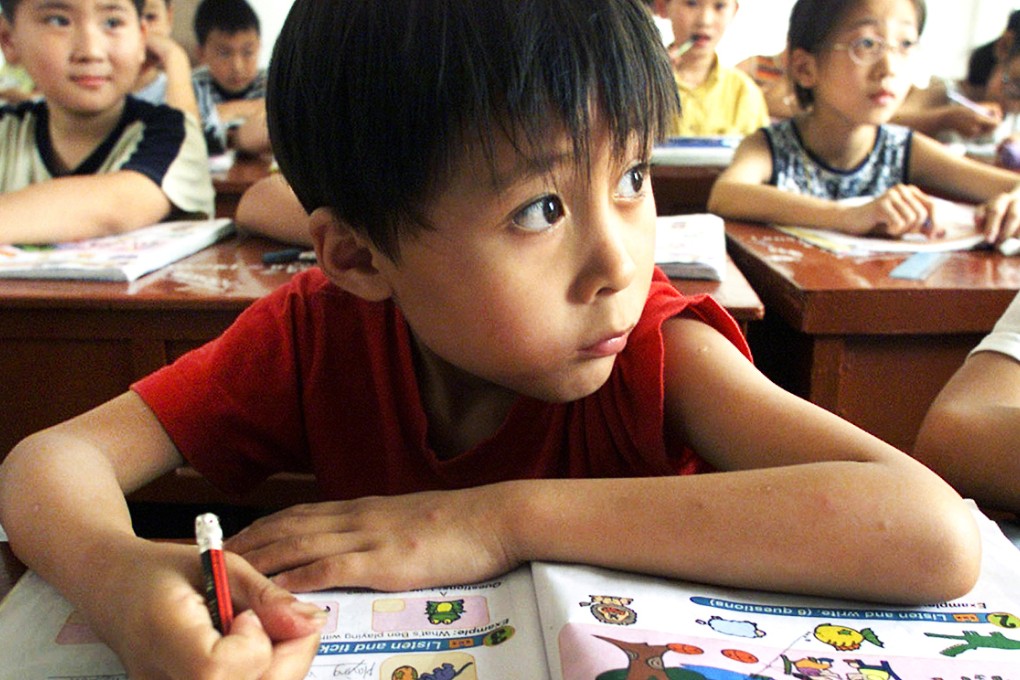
x: 865, y: 51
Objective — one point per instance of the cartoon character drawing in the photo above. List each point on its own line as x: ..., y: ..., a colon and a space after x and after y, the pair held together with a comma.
x: 866, y: 671
x: 644, y: 662
x: 974, y: 640
x: 612, y: 610
x: 444, y: 612
x: 808, y: 667
x: 744, y: 629
x: 444, y: 672
x: 844, y: 639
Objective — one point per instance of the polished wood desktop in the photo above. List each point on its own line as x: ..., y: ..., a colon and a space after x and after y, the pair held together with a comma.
x: 873, y: 349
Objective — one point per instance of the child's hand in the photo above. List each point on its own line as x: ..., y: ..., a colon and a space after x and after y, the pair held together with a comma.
x: 999, y: 218
x: 903, y: 209
x: 970, y: 123
x: 387, y: 543
x: 160, y: 49
x: 158, y: 624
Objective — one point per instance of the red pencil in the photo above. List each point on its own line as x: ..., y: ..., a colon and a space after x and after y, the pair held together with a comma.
x: 209, y: 536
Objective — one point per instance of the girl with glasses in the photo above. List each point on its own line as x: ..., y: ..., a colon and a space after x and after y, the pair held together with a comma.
x: 850, y: 64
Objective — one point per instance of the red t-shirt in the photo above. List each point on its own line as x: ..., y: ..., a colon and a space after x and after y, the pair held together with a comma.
x: 313, y: 379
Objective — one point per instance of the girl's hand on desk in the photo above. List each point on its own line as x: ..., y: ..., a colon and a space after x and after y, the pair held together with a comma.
x: 388, y: 543
x: 160, y: 626
x: 901, y: 210
x: 999, y: 218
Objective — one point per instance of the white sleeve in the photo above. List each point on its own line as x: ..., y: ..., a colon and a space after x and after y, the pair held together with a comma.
x: 1005, y: 337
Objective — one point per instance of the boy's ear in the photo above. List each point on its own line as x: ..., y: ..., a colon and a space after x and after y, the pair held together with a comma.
x: 7, y: 41
x: 803, y: 68
x: 347, y: 257
x: 660, y: 8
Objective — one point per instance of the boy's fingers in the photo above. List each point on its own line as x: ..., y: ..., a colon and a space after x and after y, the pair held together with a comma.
x: 293, y: 658
x: 283, y: 616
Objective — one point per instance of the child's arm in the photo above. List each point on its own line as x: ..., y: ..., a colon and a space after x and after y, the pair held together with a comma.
x: 998, y: 190
x: 970, y: 433
x: 174, y: 61
x: 811, y: 504
x: 81, y: 206
x: 62, y: 505
x: 269, y: 207
x: 252, y: 135
x: 742, y: 192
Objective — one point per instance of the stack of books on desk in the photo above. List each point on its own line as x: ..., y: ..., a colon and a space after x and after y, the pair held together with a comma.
x: 691, y: 246
x: 714, y: 151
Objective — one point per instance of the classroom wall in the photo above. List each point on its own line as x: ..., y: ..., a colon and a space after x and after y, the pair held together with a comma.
x: 954, y: 28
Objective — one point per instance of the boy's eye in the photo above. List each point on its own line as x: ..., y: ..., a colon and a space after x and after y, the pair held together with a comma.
x: 540, y: 215
x: 56, y: 20
x: 113, y: 22
x: 632, y: 183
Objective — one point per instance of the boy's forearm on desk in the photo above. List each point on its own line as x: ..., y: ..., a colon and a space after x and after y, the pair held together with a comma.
x: 837, y: 529
x: 71, y: 208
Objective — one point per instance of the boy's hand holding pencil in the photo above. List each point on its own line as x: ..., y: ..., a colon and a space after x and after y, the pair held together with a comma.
x: 158, y: 623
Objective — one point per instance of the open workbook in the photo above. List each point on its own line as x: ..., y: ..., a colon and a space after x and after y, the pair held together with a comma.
x: 121, y: 257
x: 562, y: 622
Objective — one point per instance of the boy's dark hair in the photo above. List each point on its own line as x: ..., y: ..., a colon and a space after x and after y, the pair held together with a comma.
x: 229, y: 16
x: 9, y: 7
x: 372, y: 105
x: 811, y: 25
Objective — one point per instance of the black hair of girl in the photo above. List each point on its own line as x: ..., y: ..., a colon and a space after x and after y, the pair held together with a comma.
x: 372, y: 104
x: 812, y: 23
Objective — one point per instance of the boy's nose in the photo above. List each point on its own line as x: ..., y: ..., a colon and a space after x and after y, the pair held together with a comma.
x: 88, y: 43
x: 610, y: 266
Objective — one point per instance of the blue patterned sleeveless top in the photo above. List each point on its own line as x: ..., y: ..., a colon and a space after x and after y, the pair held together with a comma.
x: 796, y: 169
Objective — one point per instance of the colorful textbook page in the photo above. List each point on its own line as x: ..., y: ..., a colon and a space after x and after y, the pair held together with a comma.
x: 563, y: 622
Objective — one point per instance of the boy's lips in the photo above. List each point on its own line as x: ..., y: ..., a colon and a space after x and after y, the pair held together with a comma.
x: 610, y: 345
x: 90, y: 81
x: 883, y: 97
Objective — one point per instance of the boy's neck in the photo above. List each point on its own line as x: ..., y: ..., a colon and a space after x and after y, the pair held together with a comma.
x: 462, y: 410
x: 75, y: 136
x: 841, y: 144
x: 694, y: 67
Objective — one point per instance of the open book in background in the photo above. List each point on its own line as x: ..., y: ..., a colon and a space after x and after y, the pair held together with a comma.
x: 691, y: 246
x: 122, y: 257
x: 564, y: 622
x: 957, y: 219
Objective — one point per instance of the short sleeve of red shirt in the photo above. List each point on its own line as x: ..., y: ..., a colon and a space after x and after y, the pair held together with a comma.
x: 313, y: 379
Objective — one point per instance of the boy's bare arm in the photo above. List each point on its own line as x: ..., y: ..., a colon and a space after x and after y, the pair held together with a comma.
x: 809, y: 504
x: 174, y: 61
x: 240, y: 108
x: 85, y: 206
x: 62, y: 504
x: 970, y: 434
x: 269, y: 207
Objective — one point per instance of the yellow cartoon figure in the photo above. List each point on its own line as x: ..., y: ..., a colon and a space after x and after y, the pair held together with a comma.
x: 844, y: 639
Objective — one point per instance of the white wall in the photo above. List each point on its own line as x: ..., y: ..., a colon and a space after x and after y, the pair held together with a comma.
x: 953, y: 28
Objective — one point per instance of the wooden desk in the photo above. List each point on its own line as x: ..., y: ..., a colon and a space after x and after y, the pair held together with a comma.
x: 682, y: 189
x: 230, y: 185
x: 870, y: 348
x: 66, y: 346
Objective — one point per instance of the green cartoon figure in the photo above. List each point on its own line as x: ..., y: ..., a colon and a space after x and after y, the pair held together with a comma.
x: 445, y: 612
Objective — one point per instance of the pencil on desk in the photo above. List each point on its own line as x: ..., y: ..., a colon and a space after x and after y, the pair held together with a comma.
x: 209, y: 537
